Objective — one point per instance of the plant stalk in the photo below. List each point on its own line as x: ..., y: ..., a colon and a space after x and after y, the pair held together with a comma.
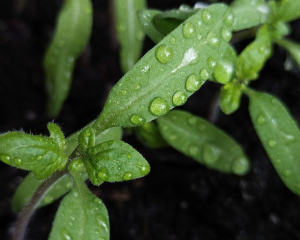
x: 24, y: 217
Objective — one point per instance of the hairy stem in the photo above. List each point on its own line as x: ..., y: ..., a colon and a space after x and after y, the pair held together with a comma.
x: 24, y: 217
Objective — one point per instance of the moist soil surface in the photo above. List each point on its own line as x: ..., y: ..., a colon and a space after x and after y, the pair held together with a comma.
x: 180, y: 199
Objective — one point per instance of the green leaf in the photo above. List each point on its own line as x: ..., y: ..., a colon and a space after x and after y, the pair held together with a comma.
x: 114, y: 161
x: 129, y: 31
x: 292, y: 48
x: 230, y: 97
x: 279, y: 134
x: 285, y: 10
x: 254, y: 56
x: 86, y: 139
x: 149, y: 135
x: 249, y: 13
x: 81, y: 215
x: 42, y: 155
x: 169, y: 73
x: 57, y: 134
x: 28, y: 187
x: 72, y: 33
x: 166, y: 22
x: 109, y: 134
x: 200, y: 140
x: 146, y: 20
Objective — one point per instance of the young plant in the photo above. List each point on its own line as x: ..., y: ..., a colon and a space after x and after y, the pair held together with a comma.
x: 193, y: 46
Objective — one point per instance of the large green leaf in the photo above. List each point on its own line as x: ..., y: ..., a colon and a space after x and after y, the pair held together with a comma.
x: 81, y: 215
x: 200, y: 140
x: 169, y: 73
x: 280, y: 136
x: 42, y: 155
x: 73, y: 30
x: 249, y: 13
x: 114, y: 161
x: 129, y: 31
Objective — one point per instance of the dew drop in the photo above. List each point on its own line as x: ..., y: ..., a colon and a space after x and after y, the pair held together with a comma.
x: 137, y: 119
x: 204, y: 74
x: 188, y: 30
x: 127, y: 176
x: 213, y: 40
x: 172, y: 40
x: 159, y: 106
x: 226, y: 34
x: 194, y: 151
x: 272, y: 143
x: 210, y: 154
x: 69, y: 184
x: 206, y: 16
x: 179, y: 98
x: 97, y: 201
x: 6, y: 159
x: 287, y: 137
x: 128, y: 156
x: 224, y: 72
x: 173, y: 137
x: 65, y: 235
x: 287, y: 173
x: 240, y: 166
x: 103, y: 173
x: 164, y: 54
x: 146, y: 69
x: 144, y: 169
x: 137, y: 87
x: 18, y: 161
x: 193, y: 83
x: 228, y: 19
x: 192, y: 120
x: 75, y: 194
x: 48, y: 199
x: 124, y: 92
x: 261, y: 119
x: 212, y: 63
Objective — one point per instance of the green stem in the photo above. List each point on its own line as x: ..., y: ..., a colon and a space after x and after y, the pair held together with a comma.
x: 24, y: 217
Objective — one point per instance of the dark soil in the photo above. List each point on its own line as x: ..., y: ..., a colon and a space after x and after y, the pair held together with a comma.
x: 179, y: 199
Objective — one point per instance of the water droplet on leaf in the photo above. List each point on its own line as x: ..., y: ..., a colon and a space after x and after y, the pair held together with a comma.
x: 240, y: 166
x: 272, y: 143
x: 188, y: 30
x: 137, y: 119
x: 228, y: 19
x: 159, y: 106
x: 128, y: 176
x: 65, y: 235
x: 18, y: 161
x: 193, y: 83
x: 210, y: 154
x: 103, y: 173
x: 261, y: 119
x: 179, y: 98
x: 204, y: 74
x: 164, y: 54
x: 226, y: 34
x: 206, y: 16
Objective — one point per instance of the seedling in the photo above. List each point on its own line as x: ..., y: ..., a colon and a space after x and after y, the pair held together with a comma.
x: 193, y: 46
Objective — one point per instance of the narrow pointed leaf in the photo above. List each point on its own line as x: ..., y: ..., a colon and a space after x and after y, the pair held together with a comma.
x: 249, y: 13
x: 73, y: 30
x: 81, y: 215
x: 200, y: 140
x: 57, y: 134
x: 280, y: 136
x: 114, y: 161
x: 292, y: 48
x: 169, y: 73
x: 230, y: 98
x: 42, y: 155
x: 129, y: 31
x: 254, y: 56
x: 146, y: 20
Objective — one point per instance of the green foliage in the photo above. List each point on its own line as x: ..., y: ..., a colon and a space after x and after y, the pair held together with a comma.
x: 129, y: 31
x: 279, y: 134
x: 249, y: 13
x: 42, y: 155
x: 81, y: 215
x: 200, y: 140
x: 178, y: 65
x: 114, y: 161
x: 73, y: 30
x: 284, y: 10
x: 254, y: 56
x: 230, y: 98
x: 292, y: 48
